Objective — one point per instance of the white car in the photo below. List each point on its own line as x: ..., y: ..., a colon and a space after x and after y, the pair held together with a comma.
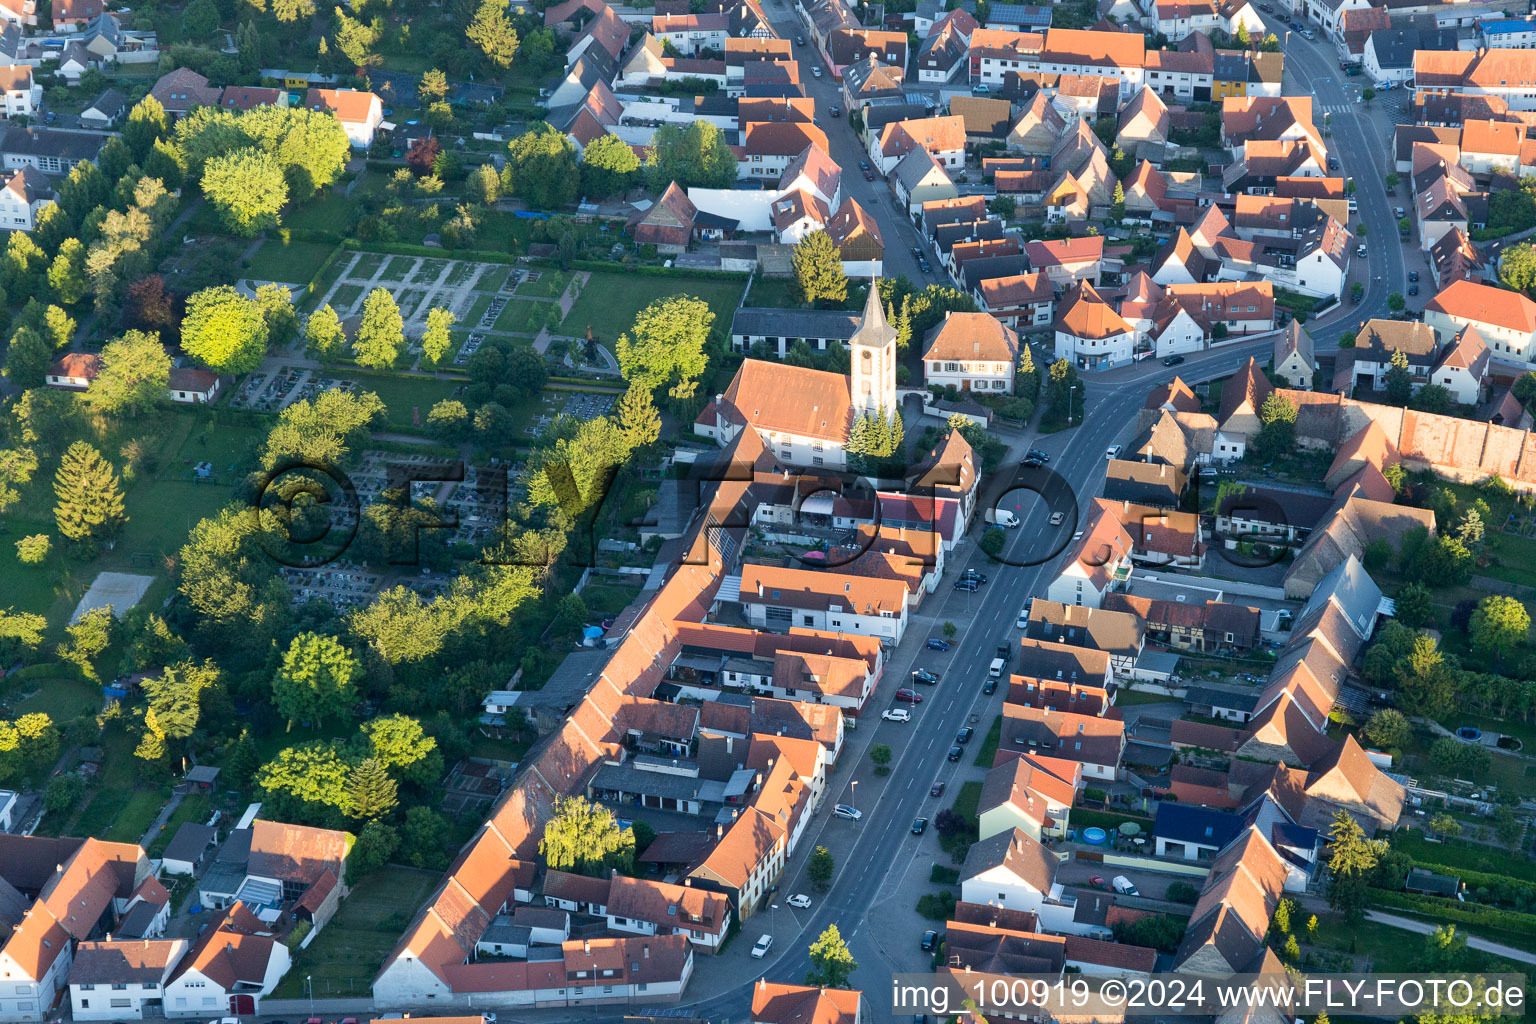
x: 896, y: 715
x: 799, y: 900
x: 1023, y: 622
x: 764, y: 943
x: 845, y: 811
x: 816, y: 72
x: 1124, y: 886
x: 1112, y: 453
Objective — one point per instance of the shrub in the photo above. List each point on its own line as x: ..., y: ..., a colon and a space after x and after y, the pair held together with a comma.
x: 1183, y: 892
x: 937, y: 906
x: 941, y: 875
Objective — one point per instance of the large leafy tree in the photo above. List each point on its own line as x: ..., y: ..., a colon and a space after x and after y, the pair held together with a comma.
x: 316, y: 681
x: 324, y: 337
x: 314, y: 773
x: 381, y: 333
x: 89, y: 498
x: 492, y: 31
x: 401, y: 627
x: 20, y: 633
x: 66, y: 276
x: 175, y: 706
x: 541, y: 167
x: 608, y: 167
x: 399, y: 743
x: 248, y: 189
x: 16, y: 468
x: 574, y: 475
x: 695, y: 155
x: 1517, y: 267
x: 229, y: 581
x: 665, y: 347
x: 28, y: 358
x: 1499, y: 625
x: 147, y: 122
x: 585, y: 837
x: 133, y: 375
x: 310, y: 146
x: 818, y: 267
x: 831, y: 961
x: 224, y: 330
x: 1399, y: 380
x: 436, y: 338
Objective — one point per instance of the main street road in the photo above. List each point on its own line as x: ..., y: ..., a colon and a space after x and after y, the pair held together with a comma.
x: 875, y: 869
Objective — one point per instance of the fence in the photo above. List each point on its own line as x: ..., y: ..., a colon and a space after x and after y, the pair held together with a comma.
x: 1122, y: 860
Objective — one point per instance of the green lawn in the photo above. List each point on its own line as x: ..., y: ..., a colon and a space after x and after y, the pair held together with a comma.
x: 398, y: 268
x: 609, y: 302
x: 492, y: 279
x: 61, y: 699
x: 193, y: 807
x: 987, y: 752
x: 967, y: 800
x: 1458, y: 853
x: 608, y: 599
x: 780, y: 293
x: 401, y: 393
x: 293, y: 263
x: 525, y: 316
x: 134, y: 817
x: 345, y: 298
x: 1125, y: 697
x: 345, y: 956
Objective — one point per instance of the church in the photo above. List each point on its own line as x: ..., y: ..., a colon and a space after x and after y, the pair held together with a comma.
x: 804, y: 416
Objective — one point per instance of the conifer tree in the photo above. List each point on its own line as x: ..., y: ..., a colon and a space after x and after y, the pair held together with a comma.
x: 373, y: 794
x: 858, y: 436
x: 90, y: 500
x: 898, y: 435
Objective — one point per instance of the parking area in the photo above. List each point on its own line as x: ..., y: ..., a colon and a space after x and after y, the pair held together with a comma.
x: 1151, y: 884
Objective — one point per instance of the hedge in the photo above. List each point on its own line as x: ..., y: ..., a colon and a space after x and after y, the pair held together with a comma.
x: 1481, y: 879
x: 429, y: 252
x: 1455, y: 910
x: 646, y: 270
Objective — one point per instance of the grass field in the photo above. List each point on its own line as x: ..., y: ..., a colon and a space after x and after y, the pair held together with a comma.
x: 62, y: 700
x: 524, y: 316
x: 609, y: 302
x: 345, y: 956
x: 492, y: 280
x: 293, y: 263
x: 400, y: 393
x: 1458, y: 853
x: 988, y: 749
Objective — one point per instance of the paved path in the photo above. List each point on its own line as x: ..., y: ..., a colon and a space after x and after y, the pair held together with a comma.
x: 161, y: 819
x: 1473, y: 942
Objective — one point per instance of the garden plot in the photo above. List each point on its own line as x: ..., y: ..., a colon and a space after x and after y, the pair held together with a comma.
x: 419, y: 285
x: 277, y: 391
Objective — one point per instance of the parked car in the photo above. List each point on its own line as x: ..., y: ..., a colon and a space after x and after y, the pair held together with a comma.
x: 970, y: 586
x: 816, y: 71
x: 917, y: 253
x: 922, y: 675
x: 937, y: 644
x: 956, y: 753
x: 972, y: 574
x: 1413, y: 289
x: 1413, y: 275
x: 1097, y: 881
x: 1057, y: 518
x: 896, y: 715
x: 764, y: 943
x: 836, y: 111
x: 846, y: 811
x: 937, y: 789
x: 1023, y: 622
x: 799, y: 40
x: 1112, y: 452
x: 1032, y: 462
x: 1125, y: 887
x: 869, y: 175
x: 989, y: 687
x: 910, y: 696
x: 964, y: 735
x: 1173, y: 360
x: 799, y: 900
x: 930, y: 941
x: 1036, y: 453
x: 923, y: 265
x: 919, y: 826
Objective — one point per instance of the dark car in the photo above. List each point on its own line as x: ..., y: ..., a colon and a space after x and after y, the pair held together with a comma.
x: 923, y: 265
x: 863, y: 165
x: 956, y: 753
x: 917, y: 253
x: 919, y: 826
x: 1036, y: 453
x: 922, y: 675
x: 1413, y: 275
x: 1333, y: 163
x: 989, y: 687
x: 964, y: 735
x: 930, y: 941
x: 972, y: 574
x: 1173, y: 360
x: 836, y: 111
x: 937, y: 789
x: 969, y: 586
x: 937, y: 644
x: 799, y: 40
x: 910, y: 696
x: 869, y: 175
x: 1353, y: 71
x: 1413, y: 289
x: 1032, y: 462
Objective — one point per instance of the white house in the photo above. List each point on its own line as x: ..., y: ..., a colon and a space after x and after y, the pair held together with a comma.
x: 776, y: 598
x: 1505, y: 320
x: 644, y: 907
x: 1097, y: 563
x: 234, y: 964
x: 1090, y: 333
x: 1015, y: 872
x: 361, y: 113
x: 971, y: 352
x: 120, y: 980
x: 24, y: 195
x: 22, y: 93
x: 191, y: 386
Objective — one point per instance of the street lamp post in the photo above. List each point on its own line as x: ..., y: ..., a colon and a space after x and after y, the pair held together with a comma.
x: 309, y: 983
x: 1071, y: 389
x: 853, y: 792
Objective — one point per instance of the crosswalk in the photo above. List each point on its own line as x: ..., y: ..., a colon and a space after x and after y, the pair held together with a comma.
x: 1338, y: 108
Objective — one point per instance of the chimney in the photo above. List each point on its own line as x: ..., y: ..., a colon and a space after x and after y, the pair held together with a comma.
x: 719, y: 832
x: 645, y: 951
x: 586, y: 946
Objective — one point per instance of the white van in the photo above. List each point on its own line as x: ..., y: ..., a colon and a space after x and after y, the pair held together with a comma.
x: 996, y: 671
x: 1124, y: 886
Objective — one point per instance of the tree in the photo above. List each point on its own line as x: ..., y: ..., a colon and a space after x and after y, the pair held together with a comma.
x: 433, y: 85
x: 1499, y: 625
x: 436, y: 339
x: 1351, y: 859
x: 175, y: 706
x: 448, y: 421
x: 33, y: 549
x: 20, y: 633
x: 381, y: 333
x: 313, y: 773
x: 1388, y: 729
x: 820, y: 867
x: 1443, y: 824
x: 584, y: 837
x: 638, y: 418
x: 880, y: 757
x: 665, y: 347
x: 492, y: 31
x: 818, y: 270
x: 371, y: 793
x: 224, y: 330
x: 1415, y: 606
x: 355, y: 39
x: 89, y: 635
x: 1399, y: 380
x: 324, y: 337
x: 316, y: 681
x: 133, y: 375
x: 146, y: 123
x: 28, y: 358
x: 66, y: 275
x: 485, y: 182
x: 89, y: 498
x: 63, y: 792
x: 149, y: 306
x: 541, y: 167
x: 376, y: 843
x: 311, y: 146
x: 608, y: 167
x: 1443, y: 562
x: 695, y: 155
x: 399, y: 744
x: 248, y: 189
x: 199, y: 19
x: 322, y: 430
x: 831, y: 962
